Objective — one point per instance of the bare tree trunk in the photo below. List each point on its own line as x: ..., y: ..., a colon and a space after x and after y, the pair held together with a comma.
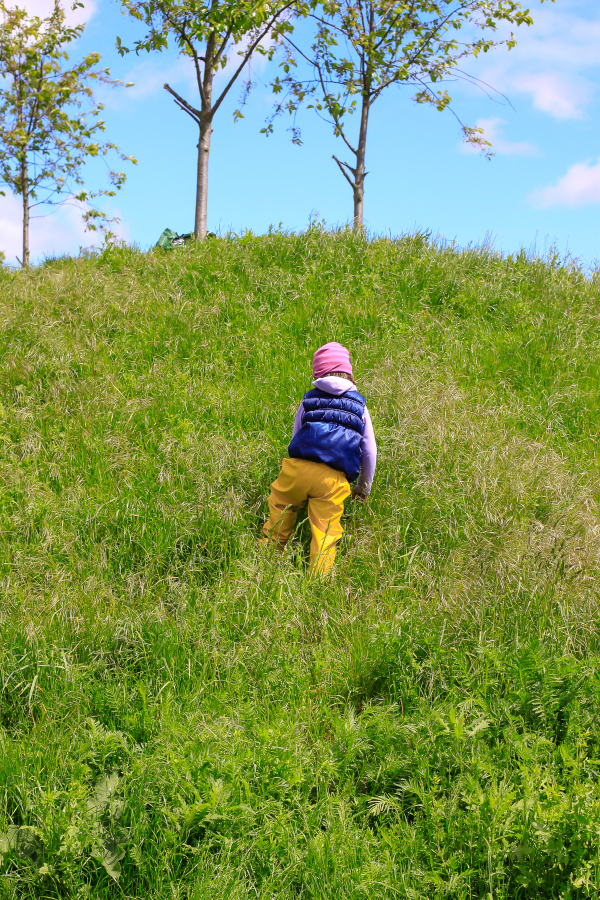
x: 202, y: 181
x: 25, y: 186
x: 205, y: 121
x: 359, y: 175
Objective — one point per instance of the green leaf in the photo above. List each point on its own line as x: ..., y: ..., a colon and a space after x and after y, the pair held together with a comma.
x: 22, y: 840
x: 27, y: 845
x: 113, y: 850
x: 104, y: 788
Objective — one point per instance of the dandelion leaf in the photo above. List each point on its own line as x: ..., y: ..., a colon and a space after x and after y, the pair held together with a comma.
x: 113, y: 850
x: 24, y: 841
x: 104, y: 788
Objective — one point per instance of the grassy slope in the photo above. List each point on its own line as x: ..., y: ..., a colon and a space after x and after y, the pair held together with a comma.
x: 427, y: 723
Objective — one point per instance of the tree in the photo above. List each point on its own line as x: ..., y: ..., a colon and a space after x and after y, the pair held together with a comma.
x: 362, y: 47
x: 49, y: 122
x: 207, y: 31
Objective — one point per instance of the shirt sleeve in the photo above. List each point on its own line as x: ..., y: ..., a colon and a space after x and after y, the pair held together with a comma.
x: 368, y: 447
x: 298, y: 420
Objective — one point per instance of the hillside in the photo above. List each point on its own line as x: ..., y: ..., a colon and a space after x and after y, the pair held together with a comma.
x: 184, y: 716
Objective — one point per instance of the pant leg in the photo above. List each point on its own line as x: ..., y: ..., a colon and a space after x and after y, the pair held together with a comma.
x: 288, y: 493
x: 325, y: 513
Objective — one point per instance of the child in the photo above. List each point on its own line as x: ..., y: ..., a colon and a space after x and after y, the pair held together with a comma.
x: 332, y: 444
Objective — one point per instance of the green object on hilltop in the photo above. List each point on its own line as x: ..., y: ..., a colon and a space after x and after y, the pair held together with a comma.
x: 193, y: 717
x: 165, y: 241
x: 170, y: 239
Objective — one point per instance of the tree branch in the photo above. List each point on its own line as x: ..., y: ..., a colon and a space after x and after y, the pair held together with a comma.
x: 336, y: 119
x: 184, y: 105
x: 249, y: 51
x: 199, y: 76
x: 343, y: 166
x: 221, y: 49
x: 180, y: 29
x: 196, y: 56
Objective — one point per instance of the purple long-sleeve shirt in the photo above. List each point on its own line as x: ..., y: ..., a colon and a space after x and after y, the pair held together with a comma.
x: 335, y: 385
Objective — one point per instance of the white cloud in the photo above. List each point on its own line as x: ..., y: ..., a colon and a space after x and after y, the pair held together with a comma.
x: 565, y: 35
x: 62, y: 231
x: 150, y: 75
x: 579, y: 187
x: 43, y: 8
x: 556, y: 61
x: 258, y: 62
x: 492, y: 129
x: 560, y: 96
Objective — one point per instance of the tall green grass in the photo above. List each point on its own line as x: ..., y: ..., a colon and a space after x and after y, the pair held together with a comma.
x: 185, y: 716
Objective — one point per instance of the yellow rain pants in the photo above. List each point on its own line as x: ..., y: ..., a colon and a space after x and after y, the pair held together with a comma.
x: 325, y: 489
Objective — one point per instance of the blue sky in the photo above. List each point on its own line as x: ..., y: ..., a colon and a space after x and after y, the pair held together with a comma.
x: 541, y: 188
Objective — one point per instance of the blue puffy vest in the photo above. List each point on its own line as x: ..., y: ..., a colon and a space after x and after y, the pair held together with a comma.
x: 331, y: 432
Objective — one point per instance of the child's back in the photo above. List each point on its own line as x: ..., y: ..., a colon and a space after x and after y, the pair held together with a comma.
x: 333, y: 443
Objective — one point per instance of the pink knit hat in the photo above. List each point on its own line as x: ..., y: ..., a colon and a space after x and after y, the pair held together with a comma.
x: 331, y: 357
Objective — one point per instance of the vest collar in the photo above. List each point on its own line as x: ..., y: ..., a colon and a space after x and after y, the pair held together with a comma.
x: 332, y: 384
